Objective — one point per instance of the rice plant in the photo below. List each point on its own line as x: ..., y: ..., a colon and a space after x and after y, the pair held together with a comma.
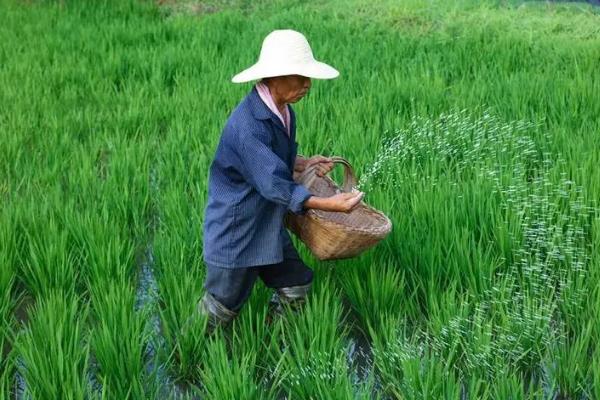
x: 511, y: 387
x: 118, y: 341
x: 409, y: 368
x: 374, y: 293
x: 54, y: 349
x: 51, y: 263
x: 569, y: 366
x: 183, y: 327
x: 253, y: 334
x: 227, y: 376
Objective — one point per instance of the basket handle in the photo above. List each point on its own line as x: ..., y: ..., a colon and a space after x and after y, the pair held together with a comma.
x: 310, y: 174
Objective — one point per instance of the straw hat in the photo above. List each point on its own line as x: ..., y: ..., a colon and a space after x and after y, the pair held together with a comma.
x: 286, y: 52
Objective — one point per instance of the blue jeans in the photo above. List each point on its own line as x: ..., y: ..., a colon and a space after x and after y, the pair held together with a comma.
x: 232, y: 286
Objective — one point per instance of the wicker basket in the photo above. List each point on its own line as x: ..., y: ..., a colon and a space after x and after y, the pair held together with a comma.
x: 337, y: 235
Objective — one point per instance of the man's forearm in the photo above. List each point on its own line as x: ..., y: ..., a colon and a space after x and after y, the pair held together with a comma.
x: 319, y: 203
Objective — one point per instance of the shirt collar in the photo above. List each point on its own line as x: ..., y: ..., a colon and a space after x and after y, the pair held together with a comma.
x: 258, y: 108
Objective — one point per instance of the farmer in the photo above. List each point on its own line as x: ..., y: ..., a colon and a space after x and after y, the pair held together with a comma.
x: 251, y: 186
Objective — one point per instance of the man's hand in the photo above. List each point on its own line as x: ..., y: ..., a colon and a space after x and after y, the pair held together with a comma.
x: 341, y: 202
x: 324, y: 164
x: 300, y: 164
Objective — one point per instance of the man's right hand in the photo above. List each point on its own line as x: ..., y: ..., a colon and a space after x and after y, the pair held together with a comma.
x: 341, y: 202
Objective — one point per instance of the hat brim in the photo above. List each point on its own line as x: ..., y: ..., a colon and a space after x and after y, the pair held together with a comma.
x: 314, y: 69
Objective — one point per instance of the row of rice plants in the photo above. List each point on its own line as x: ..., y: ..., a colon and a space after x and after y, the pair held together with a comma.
x: 78, y: 267
x: 113, y: 240
x: 78, y: 237
x: 69, y: 251
x: 179, y: 275
x: 49, y: 348
x: 178, y: 195
x: 239, y: 361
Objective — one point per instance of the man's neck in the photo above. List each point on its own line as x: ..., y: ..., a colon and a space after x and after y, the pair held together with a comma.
x: 278, y: 102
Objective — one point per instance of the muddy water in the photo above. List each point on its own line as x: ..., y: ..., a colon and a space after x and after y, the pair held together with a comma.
x: 22, y: 317
x: 147, y: 297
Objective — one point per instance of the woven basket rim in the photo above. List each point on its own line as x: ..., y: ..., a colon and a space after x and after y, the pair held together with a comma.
x: 383, y: 229
x: 379, y: 230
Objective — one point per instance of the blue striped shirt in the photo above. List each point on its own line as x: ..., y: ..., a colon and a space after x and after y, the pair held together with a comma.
x: 250, y: 188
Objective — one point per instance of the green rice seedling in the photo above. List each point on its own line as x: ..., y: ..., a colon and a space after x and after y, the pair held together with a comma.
x: 50, y: 263
x: 595, y: 375
x: 184, y: 332
x: 408, y: 368
x: 483, y: 337
x: 54, y: 350
x: 475, y: 387
x: 573, y: 308
x: 183, y: 326
x: 325, y: 376
x: 318, y: 326
x: 128, y: 188
x: 568, y: 364
x: 571, y: 343
x: 231, y: 376
x: 118, y: 340
x: 478, y: 339
x: 259, y: 298
x: 253, y: 335
x: 511, y: 386
x: 7, y: 272
x: 427, y: 377
x: 104, y: 250
x: 454, y: 331
x: 525, y: 336
x: 179, y: 274
x: 177, y: 214
x: 375, y: 292
x: 550, y: 269
x: 594, y: 367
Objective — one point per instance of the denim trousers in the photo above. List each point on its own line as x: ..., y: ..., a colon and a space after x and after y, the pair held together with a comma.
x: 232, y: 286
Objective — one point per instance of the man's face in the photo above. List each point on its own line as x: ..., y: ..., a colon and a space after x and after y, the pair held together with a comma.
x: 292, y: 88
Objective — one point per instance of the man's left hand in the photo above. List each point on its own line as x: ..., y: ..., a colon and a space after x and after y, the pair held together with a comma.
x: 324, y: 164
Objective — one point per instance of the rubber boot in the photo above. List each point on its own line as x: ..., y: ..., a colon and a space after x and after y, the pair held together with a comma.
x: 217, y: 313
x: 292, y: 296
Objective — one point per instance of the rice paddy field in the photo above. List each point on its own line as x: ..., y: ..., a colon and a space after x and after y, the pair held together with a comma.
x: 473, y: 125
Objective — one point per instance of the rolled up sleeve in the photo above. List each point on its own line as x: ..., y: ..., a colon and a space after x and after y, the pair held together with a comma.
x: 268, y: 174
